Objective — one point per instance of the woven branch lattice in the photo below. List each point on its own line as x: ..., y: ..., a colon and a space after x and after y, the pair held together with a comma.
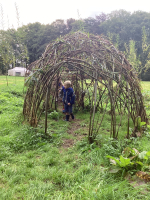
x: 101, y: 77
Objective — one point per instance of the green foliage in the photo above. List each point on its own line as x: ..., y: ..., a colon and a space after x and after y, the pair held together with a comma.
x: 27, y: 43
x: 145, y: 56
x: 137, y: 161
x: 139, y: 124
x: 144, y: 155
x: 6, y: 51
x: 134, y: 35
x: 132, y: 57
x: 12, y: 49
x: 111, y: 147
x: 122, y: 162
x: 54, y: 115
x: 36, y: 166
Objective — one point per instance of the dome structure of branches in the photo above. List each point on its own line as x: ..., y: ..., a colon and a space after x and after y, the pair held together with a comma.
x: 103, y: 80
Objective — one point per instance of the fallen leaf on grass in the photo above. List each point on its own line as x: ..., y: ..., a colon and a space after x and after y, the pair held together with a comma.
x: 143, y: 175
x: 113, y: 162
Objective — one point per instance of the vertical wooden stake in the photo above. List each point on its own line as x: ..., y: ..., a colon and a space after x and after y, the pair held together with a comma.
x: 128, y: 112
x: 82, y: 98
x: 95, y: 98
x: 56, y: 96
x: 91, y: 110
x: 111, y: 101
x: 46, y: 108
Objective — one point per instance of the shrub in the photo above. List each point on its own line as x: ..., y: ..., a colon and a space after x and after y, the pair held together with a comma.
x: 54, y: 115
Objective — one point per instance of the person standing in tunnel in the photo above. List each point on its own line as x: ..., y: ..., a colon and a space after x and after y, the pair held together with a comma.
x: 68, y: 99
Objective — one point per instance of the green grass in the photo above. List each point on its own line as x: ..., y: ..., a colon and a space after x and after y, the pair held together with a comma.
x: 146, y: 94
x: 33, y: 166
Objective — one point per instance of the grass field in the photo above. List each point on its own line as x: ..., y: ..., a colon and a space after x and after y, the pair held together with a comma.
x: 63, y: 166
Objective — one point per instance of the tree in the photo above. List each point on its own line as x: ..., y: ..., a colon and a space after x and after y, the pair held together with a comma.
x: 91, y: 25
x: 132, y: 57
x: 32, y: 36
x: 2, y: 66
x: 6, y: 51
x: 101, y: 18
x: 59, y: 27
x: 69, y: 24
x: 145, y: 56
x: 78, y: 25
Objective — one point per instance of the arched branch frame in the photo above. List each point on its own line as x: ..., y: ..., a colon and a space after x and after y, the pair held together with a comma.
x: 101, y: 78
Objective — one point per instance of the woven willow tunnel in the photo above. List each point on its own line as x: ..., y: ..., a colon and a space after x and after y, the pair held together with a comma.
x: 103, y: 80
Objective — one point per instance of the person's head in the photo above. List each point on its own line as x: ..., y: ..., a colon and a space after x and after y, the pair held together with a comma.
x: 67, y: 84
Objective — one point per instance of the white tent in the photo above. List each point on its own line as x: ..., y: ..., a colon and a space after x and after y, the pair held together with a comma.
x: 17, y: 71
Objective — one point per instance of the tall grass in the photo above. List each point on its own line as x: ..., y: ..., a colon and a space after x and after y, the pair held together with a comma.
x: 33, y: 166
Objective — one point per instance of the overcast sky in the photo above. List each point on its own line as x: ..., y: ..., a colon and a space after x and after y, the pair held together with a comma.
x: 47, y: 11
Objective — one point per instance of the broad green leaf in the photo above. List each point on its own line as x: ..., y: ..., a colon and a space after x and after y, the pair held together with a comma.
x: 142, y: 123
x: 145, y: 157
x: 117, y: 161
x: 124, y: 161
x: 148, y: 126
x: 140, y: 163
x: 148, y: 153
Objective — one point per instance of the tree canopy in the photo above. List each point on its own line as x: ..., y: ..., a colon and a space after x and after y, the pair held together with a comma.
x: 119, y: 26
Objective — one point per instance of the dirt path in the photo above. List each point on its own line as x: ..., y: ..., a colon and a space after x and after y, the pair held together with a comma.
x: 74, y: 126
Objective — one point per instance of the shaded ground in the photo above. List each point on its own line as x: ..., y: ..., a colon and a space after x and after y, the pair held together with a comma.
x: 75, y: 125
x: 67, y: 143
x: 73, y: 129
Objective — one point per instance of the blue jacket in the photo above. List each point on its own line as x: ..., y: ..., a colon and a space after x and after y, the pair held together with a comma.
x: 67, y: 95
